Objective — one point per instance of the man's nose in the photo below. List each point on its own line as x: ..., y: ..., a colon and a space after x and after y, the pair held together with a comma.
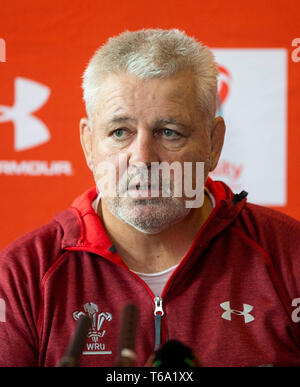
x: 144, y: 149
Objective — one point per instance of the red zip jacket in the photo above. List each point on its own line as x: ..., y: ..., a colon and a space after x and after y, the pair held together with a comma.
x: 230, y: 298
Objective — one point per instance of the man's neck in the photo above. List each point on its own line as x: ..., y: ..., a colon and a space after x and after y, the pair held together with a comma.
x: 151, y: 253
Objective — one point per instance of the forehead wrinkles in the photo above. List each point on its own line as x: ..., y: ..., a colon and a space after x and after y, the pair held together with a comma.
x: 123, y: 96
x: 109, y: 97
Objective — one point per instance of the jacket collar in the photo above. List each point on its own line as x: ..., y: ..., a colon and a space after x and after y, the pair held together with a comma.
x: 83, y: 229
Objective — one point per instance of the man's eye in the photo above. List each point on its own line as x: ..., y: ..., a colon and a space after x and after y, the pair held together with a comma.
x: 119, y: 133
x: 169, y: 133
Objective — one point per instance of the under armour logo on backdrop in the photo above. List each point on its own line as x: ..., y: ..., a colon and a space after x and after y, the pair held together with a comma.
x: 29, y: 130
x: 245, y: 312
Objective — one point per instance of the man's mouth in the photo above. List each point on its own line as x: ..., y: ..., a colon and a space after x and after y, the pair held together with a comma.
x: 143, y: 191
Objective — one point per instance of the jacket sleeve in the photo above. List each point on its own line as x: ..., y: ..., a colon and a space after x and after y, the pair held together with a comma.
x: 18, y: 336
x: 278, y: 235
x: 22, y: 265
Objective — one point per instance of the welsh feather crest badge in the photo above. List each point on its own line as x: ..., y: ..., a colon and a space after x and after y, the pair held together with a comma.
x: 95, y: 343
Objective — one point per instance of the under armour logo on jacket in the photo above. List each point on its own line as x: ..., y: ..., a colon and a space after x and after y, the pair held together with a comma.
x: 29, y: 130
x: 245, y: 312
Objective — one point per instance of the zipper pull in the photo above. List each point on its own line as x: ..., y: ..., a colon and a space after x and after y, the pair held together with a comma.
x: 158, y: 313
x: 158, y: 306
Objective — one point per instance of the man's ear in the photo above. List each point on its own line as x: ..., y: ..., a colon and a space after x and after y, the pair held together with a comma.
x: 217, y: 140
x: 86, y: 141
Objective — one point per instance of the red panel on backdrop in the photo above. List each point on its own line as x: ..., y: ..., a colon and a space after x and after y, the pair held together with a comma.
x: 48, y: 44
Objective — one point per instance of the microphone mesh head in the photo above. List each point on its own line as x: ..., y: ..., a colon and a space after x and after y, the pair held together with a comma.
x: 174, y: 354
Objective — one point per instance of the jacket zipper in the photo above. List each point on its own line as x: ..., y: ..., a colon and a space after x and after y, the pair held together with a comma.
x: 158, y: 309
x: 158, y: 313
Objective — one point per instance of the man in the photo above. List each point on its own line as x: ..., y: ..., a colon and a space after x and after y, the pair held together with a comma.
x: 218, y: 276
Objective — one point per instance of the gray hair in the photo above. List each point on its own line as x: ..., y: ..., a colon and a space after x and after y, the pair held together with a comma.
x: 153, y: 53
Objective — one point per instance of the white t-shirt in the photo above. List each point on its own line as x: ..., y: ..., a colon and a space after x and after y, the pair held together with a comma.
x: 156, y: 281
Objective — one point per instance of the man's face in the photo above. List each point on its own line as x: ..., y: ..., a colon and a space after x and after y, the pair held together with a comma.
x: 143, y: 122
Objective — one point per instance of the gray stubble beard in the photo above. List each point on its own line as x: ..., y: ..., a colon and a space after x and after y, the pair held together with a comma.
x: 163, y: 213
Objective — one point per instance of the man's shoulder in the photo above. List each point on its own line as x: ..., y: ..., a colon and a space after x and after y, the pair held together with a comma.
x: 268, y: 226
x: 37, y: 248
x: 270, y: 216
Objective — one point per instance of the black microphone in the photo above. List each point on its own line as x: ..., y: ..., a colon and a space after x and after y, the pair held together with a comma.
x: 173, y: 353
x: 126, y: 350
x: 75, y: 347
